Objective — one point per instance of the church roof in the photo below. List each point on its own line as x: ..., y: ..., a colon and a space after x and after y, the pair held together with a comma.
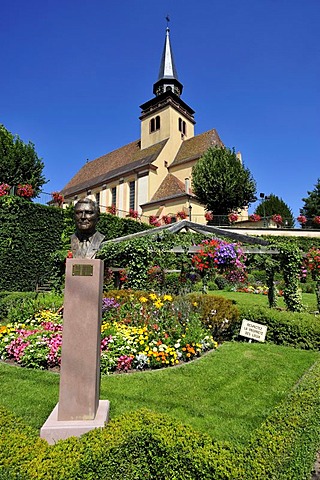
x: 171, y: 187
x: 194, y: 147
x: 112, y: 165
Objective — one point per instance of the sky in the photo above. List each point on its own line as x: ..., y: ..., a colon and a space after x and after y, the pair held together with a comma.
x: 74, y: 73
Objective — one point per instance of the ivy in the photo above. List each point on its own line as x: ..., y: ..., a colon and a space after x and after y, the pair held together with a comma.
x: 291, y: 261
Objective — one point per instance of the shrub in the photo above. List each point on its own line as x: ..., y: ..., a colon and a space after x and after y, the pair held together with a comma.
x: 221, y: 282
x: 298, y: 329
x: 220, y: 315
x: 19, y: 307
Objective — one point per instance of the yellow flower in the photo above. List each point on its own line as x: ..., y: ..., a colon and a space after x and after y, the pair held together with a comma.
x: 158, y: 304
x: 143, y: 299
x: 153, y: 296
x: 195, y: 304
x: 167, y: 298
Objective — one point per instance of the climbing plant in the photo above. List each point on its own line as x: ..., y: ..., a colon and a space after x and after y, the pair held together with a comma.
x: 312, y: 262
x: 291, y: 261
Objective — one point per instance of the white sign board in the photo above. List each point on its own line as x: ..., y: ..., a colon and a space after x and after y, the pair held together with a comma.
x: 253, y: 330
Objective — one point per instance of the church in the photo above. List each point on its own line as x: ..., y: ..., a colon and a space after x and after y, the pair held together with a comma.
x: 150, y: 178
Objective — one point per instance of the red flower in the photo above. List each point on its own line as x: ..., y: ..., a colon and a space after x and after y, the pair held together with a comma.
x: 182, y: 215
x: 302, y: 219
x: 316, y: 220
x: 25, y: 190
x: 277, y: 218
x: 208, y: 216
x: 254, y: 217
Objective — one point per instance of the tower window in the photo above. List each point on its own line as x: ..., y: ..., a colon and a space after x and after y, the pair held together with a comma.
x: 155, y: 124
x: 182, y: 126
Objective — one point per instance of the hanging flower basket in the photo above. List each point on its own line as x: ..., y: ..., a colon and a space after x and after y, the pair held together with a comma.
x: 233, y: 217
x: 57, y: 198
x: 153, y: 220
x: 4, y: 189
x: 182, y: 215
x: 166, y: 219
x: 208, y: 216
x: 254, y: 217
x: 111, y: 210
x: 302, y: 219
x: 25, y: 190
x: 133, y: 213
x: 277, y: 219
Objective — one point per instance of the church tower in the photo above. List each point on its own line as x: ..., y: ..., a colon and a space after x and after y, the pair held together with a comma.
x: 166, y: 116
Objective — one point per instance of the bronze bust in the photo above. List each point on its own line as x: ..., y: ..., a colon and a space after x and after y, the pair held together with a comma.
x: 86, y: 241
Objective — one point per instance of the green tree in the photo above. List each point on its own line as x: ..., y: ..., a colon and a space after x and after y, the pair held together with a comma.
x: 274, y: 205
x: 221, y: 182
x: 19, y: 163
x: 311, y: 206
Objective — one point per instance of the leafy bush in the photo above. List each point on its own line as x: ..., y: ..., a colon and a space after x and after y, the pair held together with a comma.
x: 221, y: 282
x: 220, y: 315
x: 298, y: 329
x: 19, y: 307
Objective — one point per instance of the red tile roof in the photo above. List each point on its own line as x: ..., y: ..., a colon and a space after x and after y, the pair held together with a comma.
x: 194, y: 147
x: 112, y: 165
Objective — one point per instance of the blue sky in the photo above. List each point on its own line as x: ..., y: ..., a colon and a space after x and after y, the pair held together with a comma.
x: 74, y: 72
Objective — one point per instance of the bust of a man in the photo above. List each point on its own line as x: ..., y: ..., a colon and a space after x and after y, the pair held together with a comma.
x: 86, y: 241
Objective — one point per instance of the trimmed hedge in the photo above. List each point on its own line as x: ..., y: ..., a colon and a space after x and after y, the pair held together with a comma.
x: 29, y: 234
x: 297, y: 329
x: 18, y: 307
x: 149, y: 445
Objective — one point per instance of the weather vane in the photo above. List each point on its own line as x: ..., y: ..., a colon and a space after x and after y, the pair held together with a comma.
x: 168, y: 20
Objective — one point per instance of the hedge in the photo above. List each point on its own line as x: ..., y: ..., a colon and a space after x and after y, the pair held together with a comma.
x: 29, y: 233
x: 148, y: 445
x: 297, y: 329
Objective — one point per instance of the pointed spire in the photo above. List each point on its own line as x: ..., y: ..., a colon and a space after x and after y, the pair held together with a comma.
x: 168, y: 77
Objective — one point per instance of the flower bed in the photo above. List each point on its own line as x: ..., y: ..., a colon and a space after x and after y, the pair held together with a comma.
x: 136, y: 333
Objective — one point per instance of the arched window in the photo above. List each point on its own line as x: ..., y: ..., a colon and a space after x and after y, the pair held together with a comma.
x: 155, y: 124
x: 182, y: 126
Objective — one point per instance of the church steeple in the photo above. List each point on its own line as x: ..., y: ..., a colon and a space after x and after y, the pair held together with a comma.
x: 168, y: 77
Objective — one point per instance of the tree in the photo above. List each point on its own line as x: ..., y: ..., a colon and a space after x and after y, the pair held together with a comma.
x: 221, y: 182
x: 19, y: 163
x: 273, y: 205
x: 311, y: 206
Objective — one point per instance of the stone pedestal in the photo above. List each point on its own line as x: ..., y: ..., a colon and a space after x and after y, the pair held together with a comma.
x: 80, y: 359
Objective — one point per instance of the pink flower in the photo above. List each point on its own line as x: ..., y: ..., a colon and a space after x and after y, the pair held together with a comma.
x: 316, y: 220
x: 208, y: 216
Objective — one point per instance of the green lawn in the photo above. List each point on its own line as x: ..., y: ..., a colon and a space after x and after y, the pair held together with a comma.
x: 226, y: 393
x: 309, y: 300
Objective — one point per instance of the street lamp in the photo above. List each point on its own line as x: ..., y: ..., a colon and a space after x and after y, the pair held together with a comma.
x: 263, y: 198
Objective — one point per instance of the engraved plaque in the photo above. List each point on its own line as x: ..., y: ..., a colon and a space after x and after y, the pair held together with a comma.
x: 82, y: 270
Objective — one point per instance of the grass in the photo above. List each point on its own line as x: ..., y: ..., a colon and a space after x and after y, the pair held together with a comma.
x: 309, y: 300
x: 226, y: 393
